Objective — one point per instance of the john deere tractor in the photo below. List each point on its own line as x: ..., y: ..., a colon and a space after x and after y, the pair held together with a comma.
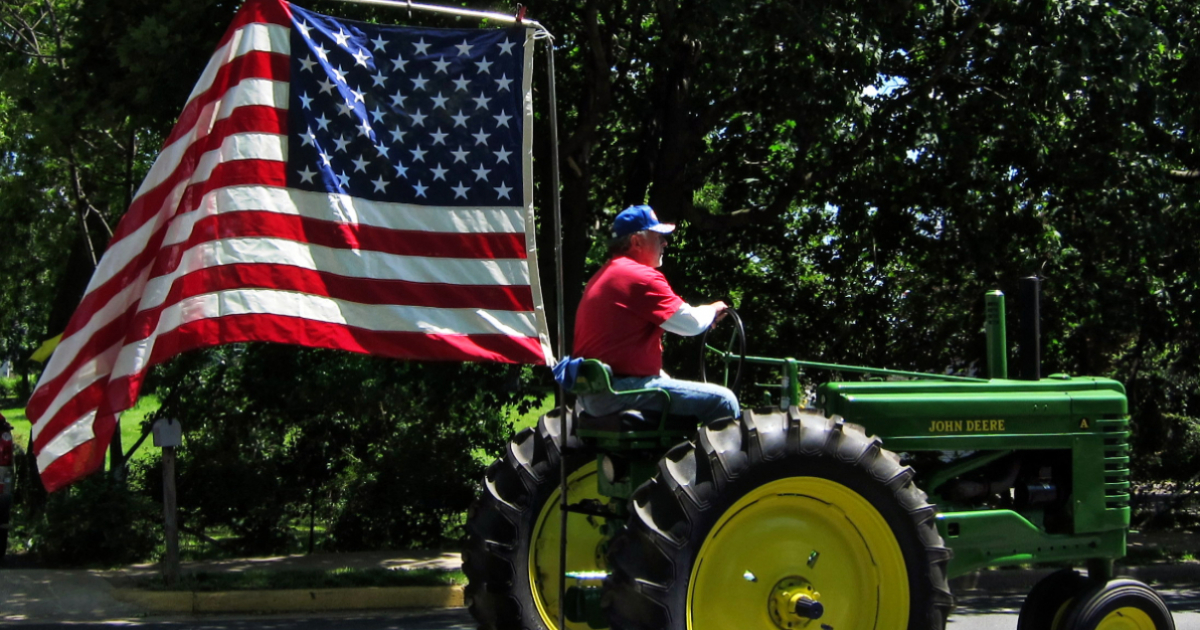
x: 846, y: 506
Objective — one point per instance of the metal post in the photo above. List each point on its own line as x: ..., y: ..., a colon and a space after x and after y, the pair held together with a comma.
x: 997, y: 338
x: 1031, y: 329
x: 170, y: 517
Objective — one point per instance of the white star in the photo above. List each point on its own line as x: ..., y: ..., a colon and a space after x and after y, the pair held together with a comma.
x: 379, y: 44
x: 397, y: 134
x: 323, y: 123
x: 401, y: 169
x: 439, y: 137
x: 420, y: 188
x: 419, y: 82
x: 503, y: 82
x: 398, y: 100
x: 460, y: 119
x: 442, y: 66
x: 306, y: 101
x: 502, y: 119
x: 325, y: 159
x: 308, y: 63
x: 345, y: 109
x: 380, y: 185
x: 462, y: 84
x: 502, y: 191
x: 306, y: 176
x: 460, y: 155
x: 326, y: 86
x: 361, y: 57
x: 343, y: 180
x: 321, y: 52
x: 422, y: 47
x: 378, y: 79
x: 481, y: 137
x: 481, y: 173
x: 377, y: 115
x: 460, y: 190
x: 303, y: 28
x: 383, y: 150
x: 481, y: 100
x: 484, y: 66
x: 309, y: 138
x: 440, y: 101
x: 364, y: 129
x: 418, y: 119
x: 502, y: 155
x: 463, y: 48
x: 506, y: 47
x: 338, y: 74
x: 360, y: 165
x: 342, y: 142
x: 358, y: 96
x: 341, y: 38
x: 418, y: 154
x: 440, y: 173
x: 399, y: 62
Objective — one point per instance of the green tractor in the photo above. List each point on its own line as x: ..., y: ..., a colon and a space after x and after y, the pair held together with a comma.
x: 796, y: 516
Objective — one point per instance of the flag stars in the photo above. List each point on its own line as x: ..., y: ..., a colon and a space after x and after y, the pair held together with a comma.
x: 439, y: 137
x: 361, y: 58
x: 306, y: 101
x: 482, y: 101
x: 379, y: 44
x: 460, y: 191
x: 358, y: 96
x: 440, y: 101
x: 502, y: 155
x: 503, y: 83
x: 360, y: 165
x: 325, y: 159
x: 398, y: 100
x: 461, y: 84
x: 418, y: 154
x: 481, y: 137
x: 398, y: 63
x: 377, y: 115
x: 439, y: 173
x: 303, y: 28
x: 464, y: 49
x: 442, y: 66
x: 382, y: 149
x: 418, y: 119
x: 343, y: 180
x: 506, y: 47
x: 397, y: 134
x: 342, y: 143
x: 345, y: 109
x: 419, y: 82
x: 401, y: 169
x: 502, y: 119
x: 308, y: 62
x: 484, y: 66
x: 460, y: 119
x: 422, y: 47
x: 502, y: 191
x: 338, y: 74
x: 309, y: 138
x: 378, y: 79
x: 481, y: 173
x: 326, y: 86
x: 420, y: 189
x: 322, y: 54
x: 460, y: 155
x: 379, y: 184
x: 306, y: 176
x: 364, y: 129
x: 323, y: 122
x: 341, y: 37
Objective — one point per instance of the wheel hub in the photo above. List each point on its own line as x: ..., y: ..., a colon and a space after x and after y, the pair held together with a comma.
x: 794, y: 603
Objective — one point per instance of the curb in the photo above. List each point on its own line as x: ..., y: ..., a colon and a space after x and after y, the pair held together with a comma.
x: 299, y: 600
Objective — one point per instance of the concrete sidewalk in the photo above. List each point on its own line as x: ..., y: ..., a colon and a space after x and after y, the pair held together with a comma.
x: 31, y: 594
x: 94, y: 595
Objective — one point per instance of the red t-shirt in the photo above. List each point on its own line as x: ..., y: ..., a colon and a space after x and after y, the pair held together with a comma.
x: 619, y: 317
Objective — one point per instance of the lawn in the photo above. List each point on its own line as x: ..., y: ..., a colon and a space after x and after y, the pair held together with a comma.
x: 131, y: 425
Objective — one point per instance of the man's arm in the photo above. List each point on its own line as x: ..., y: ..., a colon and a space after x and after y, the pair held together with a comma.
x: 690, y: 321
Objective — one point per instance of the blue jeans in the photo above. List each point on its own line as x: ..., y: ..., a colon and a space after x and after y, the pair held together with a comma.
x: 706, y: 401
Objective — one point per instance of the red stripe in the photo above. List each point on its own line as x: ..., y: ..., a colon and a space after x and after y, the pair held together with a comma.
x: 251, y: 65
x: 234, y: 173
x: 248, y: 119
x: 263, y: 224
x: 102, y: 339
x: 264, y: 11
x: 84, y: 460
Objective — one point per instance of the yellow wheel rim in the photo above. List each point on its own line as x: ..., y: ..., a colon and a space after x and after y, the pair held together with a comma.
x: 800, y: 528
x: 583, y: 545
x: 1127, y: 618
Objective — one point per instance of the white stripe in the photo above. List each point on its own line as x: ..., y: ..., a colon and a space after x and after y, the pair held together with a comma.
x: 527, y: 179
x: 241, y: 146
x: 343, y: 262
x: 249, y: 92
x: 382, y: 318
x: 78, y: 433
x: 349, y: 210
x: 249, y: 38
x: 88, y: 373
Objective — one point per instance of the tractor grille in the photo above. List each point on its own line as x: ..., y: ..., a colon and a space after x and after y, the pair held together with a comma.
x: 1116, y: 462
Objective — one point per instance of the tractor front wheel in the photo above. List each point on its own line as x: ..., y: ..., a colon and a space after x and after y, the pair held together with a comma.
x: 1119, y: 605
x: 777, y: 521
x: 513, y: 532
x: 1047, y: 604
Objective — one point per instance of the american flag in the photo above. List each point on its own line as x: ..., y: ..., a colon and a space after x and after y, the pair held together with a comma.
x: 332, y: 184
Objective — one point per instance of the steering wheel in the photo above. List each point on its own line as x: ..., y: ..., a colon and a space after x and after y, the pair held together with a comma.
x: 739, y: 336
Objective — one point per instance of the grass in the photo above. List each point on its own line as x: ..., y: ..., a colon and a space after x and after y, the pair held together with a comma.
x: 131, y: 425
x: 295, y: 579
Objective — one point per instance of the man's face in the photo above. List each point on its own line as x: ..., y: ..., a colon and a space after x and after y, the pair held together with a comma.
x: 649, y: 248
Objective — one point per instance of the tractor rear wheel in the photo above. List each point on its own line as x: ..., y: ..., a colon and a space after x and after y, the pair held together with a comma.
x: 513, y: 531
x: 779, y: 520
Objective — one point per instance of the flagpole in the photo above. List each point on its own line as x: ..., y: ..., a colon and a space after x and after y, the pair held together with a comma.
x: 433, y: 8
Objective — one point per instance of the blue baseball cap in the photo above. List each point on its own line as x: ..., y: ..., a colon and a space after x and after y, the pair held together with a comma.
x: 637, y: 218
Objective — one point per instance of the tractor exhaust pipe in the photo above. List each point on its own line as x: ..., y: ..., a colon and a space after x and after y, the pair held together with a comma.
x: 997, y: 344
x: 1029, y: 363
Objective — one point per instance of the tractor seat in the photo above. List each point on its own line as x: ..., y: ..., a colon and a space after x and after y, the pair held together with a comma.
x: 636, y: 420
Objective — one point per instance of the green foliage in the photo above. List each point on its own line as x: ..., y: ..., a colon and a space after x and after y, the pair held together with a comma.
x: 95, y: 522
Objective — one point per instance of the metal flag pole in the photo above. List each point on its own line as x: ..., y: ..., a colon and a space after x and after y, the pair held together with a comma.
x: 556, y: 205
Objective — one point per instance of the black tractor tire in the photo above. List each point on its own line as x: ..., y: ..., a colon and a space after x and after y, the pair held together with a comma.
x: 1119, y: 604
x: 511, y: 555
x: 1049, y: 600
x: 738, y: 497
